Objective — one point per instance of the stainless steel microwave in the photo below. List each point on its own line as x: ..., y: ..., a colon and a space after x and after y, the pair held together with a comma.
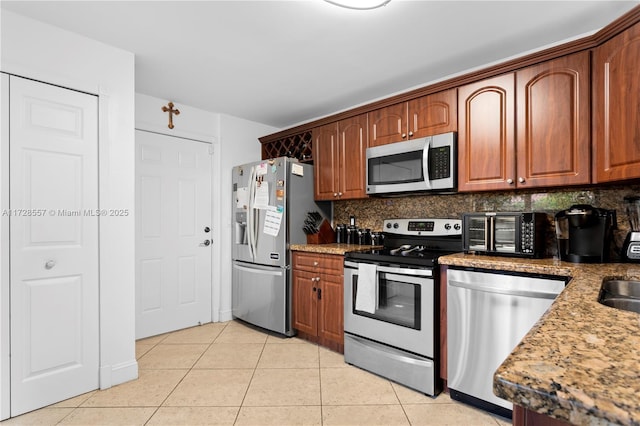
x: 517, y: 234
x: 424, y: 164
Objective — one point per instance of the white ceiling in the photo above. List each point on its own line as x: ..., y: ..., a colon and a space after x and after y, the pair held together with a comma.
x: 283, y: 63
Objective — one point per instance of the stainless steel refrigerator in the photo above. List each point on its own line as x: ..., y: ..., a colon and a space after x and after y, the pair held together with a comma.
x: 271, y: 199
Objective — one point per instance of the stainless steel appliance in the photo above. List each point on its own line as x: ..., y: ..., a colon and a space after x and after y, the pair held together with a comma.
x: 631, y: 246
x: 391, y: 325
x: 271, y: 199
x: 584, y: 233
x: 418, y: 165
x: 517, y: 234
x: 487, y: 316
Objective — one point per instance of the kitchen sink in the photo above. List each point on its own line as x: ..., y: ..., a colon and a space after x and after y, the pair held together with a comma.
x: 621, y: 294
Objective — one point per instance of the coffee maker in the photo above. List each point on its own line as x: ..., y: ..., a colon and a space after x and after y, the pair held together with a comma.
x: 585, y: 233
x: 631, y: 246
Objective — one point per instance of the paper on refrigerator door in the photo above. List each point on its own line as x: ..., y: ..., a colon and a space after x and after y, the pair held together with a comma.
x: 242, y: 198
x: 261, y: 197
x: 272, y: 221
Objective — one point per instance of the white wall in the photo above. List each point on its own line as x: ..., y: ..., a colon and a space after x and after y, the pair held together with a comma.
x: 46, y: 53
x: 235, y: 141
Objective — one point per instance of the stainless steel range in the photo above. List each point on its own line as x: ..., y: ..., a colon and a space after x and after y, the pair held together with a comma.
x: 391, y: 301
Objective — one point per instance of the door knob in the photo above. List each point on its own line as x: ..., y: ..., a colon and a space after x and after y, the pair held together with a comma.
x: 49, y: 264
x: 207, y: 229
x: 205, y: 243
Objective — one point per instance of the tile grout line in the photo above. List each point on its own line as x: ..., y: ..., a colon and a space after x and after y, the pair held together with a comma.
x: 253, y: 373
x: 185, y: 375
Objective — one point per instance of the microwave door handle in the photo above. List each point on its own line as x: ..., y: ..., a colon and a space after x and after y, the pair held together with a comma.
x: 486, y: 233
x: 425, y: 163
x: 490, y: 228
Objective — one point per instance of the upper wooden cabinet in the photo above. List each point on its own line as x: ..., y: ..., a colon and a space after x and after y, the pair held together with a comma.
x: 486, y: 139
x: 553, y: 123
x: 549, y: 146
x: 339, y: 152
x: 616, y: 108
x: 423, y: 116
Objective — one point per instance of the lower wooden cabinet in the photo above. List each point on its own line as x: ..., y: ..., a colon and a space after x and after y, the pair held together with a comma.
x: 317, y: 293
x: 525, y: 417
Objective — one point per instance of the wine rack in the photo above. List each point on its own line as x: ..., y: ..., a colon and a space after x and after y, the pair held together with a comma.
x: 295, y: 146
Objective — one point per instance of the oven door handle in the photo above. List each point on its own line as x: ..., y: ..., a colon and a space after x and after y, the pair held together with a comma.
x: 392, y: 270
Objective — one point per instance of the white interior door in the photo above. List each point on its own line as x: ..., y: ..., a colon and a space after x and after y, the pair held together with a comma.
x: 53, y: 178
x: 173, y: 233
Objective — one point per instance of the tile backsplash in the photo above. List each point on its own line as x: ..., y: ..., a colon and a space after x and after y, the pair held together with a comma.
x: 371, y: 212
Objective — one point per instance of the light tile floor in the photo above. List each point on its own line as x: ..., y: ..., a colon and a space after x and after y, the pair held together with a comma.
x: 233, y: 374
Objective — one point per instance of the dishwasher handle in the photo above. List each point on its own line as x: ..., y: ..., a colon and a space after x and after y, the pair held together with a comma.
x: 510, y: 292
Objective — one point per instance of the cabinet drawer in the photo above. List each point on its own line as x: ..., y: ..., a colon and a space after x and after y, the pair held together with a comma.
x: 305, y: 261
x: 331, y: 264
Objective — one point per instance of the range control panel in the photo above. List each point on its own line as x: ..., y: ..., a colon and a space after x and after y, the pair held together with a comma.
x: 432, y: 227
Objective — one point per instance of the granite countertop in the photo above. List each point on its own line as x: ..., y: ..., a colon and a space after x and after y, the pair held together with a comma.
x: 333, y: 248
x: 581, y: 361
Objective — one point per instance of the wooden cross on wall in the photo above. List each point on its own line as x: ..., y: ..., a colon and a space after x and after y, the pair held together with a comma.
x: 171, y: 112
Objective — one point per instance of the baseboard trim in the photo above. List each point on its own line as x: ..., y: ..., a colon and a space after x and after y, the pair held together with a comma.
x: 226, y: 316
x: 111, y: 375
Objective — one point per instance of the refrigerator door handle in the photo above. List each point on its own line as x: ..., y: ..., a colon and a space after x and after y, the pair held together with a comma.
x: 257, y: 269
x: 250, y: 217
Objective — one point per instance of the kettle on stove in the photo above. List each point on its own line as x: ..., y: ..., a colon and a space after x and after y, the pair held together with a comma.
x: 584, y: 233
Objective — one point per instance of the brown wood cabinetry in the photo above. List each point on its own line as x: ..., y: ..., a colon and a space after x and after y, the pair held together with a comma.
x: 524, y: 417
x: 423, y: 116
x: 549, y: 146
x: 616, y: 108
x: 296, y: 146
x: 486, y: 138
x: 317, y: 293
x: 339, y: 159
x: 553, y: 123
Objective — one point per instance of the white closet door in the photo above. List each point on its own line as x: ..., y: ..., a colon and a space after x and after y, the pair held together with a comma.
x: 173, y: 211
x: 54, y: 244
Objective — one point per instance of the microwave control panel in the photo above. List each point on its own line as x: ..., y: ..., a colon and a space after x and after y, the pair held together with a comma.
x: 439, y: 162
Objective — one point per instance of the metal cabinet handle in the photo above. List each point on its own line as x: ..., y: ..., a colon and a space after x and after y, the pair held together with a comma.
x: 205, y: 243
x: 510, y: 181
x: 49, y: 264
x: 410, y: 134
x: 521, y: 179
x: 404, y: 135
x: 335, y: 194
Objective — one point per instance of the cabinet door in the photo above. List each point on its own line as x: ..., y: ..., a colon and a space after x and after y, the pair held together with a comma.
x: 352, y: 151
x: 388, y: 125
x: 553, y: 134
x: 325, y: 159
x: 433, y: 114
x: 616, y: 101
x: 331, y: 307
x: 486, y: 140
x: 305, y: 311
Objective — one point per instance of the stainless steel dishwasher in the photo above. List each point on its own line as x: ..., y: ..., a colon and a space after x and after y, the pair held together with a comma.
x: 488, y: 314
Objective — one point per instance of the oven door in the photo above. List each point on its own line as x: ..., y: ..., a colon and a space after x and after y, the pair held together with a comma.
x: 404, y: 317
